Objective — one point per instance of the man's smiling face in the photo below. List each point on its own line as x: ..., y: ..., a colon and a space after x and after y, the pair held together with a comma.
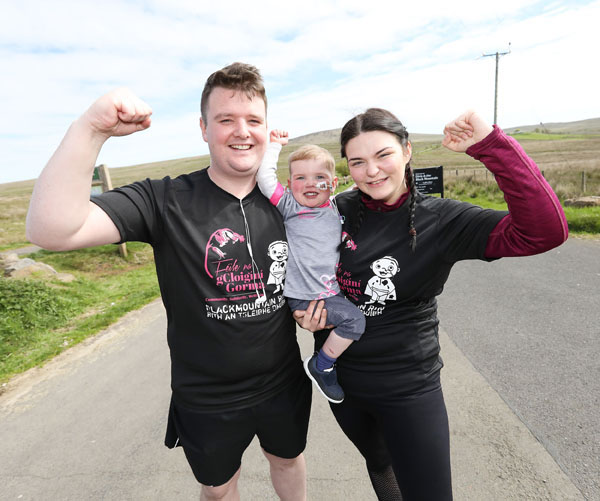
x: 236, y: 132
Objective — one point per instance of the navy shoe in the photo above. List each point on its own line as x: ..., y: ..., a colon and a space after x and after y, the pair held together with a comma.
x: 326, y: 380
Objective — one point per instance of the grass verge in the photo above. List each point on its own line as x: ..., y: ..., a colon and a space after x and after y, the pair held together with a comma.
x: 581, y: 220
x: 41, y: 318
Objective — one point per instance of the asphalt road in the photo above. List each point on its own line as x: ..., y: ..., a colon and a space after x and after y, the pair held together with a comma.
x: 531, y: 327
x: 90, y: 424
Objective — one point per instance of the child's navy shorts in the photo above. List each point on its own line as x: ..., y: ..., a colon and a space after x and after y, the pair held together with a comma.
x: 347, y: 320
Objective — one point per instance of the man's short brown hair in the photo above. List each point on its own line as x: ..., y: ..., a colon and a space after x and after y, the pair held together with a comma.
x: 237, y: 77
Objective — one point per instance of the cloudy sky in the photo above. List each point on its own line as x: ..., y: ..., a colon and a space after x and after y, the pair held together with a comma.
x: 322, y: 61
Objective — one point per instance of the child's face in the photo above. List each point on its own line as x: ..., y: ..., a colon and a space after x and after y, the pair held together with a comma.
x: 304, y: 177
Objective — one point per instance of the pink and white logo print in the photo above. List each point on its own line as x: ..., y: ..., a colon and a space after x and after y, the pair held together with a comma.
x: 218, y: 245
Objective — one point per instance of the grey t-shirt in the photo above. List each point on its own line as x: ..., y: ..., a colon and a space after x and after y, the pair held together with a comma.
x: 313, y: 234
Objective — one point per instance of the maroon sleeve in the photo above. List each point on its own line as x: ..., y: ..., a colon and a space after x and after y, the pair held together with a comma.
x: 536, y: 221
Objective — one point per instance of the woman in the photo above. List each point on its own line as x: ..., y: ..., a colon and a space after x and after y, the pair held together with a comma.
x: 398, y: 250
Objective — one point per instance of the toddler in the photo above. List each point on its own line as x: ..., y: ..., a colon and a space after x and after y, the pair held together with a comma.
x: 314, y: 229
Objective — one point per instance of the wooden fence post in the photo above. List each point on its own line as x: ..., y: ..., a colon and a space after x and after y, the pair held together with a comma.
x: 101, y: 181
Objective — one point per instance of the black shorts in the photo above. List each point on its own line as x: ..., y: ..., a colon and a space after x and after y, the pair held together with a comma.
x: 215, y: 442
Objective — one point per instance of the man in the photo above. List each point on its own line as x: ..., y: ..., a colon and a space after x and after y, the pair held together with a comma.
x: 236, y: 367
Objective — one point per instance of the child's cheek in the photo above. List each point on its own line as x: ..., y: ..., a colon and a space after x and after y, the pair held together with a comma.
x: 297, y: 186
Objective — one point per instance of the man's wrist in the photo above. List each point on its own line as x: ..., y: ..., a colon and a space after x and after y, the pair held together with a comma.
x: 86, y: 131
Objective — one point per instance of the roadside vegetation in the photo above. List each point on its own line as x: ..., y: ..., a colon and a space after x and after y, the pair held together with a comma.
x: 39, y: 318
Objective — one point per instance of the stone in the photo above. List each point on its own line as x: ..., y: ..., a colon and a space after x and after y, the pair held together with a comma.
x: 23, y: 269
x: 8, y: 258
x: 65, y: 277
x: 591, y: 201
x: 13, y: 267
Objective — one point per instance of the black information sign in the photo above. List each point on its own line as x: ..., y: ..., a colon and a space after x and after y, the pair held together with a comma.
x: 430, y: 180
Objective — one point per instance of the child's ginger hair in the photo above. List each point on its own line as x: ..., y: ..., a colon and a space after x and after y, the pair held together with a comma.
x: 313, y: 152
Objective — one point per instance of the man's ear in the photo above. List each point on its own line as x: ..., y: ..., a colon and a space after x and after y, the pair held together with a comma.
x: 203, y: 128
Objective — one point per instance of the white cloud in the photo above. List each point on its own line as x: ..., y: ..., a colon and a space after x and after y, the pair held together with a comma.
x: 322, y: 62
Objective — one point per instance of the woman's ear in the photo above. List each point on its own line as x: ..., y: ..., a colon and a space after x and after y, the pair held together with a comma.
x: 408, y: 150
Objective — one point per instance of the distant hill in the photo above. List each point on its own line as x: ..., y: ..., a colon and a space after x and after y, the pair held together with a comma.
x: 589, y: 126
x: 323, y: 137
x: 333, y: 136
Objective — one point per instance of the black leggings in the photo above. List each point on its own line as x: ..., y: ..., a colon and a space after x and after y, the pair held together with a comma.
x: 410, y: 433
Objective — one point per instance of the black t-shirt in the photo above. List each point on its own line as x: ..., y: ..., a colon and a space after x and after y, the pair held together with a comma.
x: 231, y: 346
x: 396, y: 288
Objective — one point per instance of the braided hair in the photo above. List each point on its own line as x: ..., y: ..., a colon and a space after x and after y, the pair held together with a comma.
x: 357, y: 220
x: 378, y: 119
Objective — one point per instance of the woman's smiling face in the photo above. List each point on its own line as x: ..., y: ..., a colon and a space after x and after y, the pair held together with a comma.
x: 377, y: 161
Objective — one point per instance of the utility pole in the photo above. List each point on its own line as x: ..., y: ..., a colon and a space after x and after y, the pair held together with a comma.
x: 497, y: 54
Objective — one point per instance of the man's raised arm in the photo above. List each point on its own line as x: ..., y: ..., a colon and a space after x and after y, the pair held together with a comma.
x: 61, y: 216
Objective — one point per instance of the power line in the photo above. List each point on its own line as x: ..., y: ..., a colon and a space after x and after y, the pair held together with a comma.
x: 497, y: 54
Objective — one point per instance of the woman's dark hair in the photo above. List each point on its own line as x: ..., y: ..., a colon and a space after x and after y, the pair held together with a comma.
x: 378, y: 119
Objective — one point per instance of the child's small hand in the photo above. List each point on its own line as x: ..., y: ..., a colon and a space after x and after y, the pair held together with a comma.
x: 279, y: 136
